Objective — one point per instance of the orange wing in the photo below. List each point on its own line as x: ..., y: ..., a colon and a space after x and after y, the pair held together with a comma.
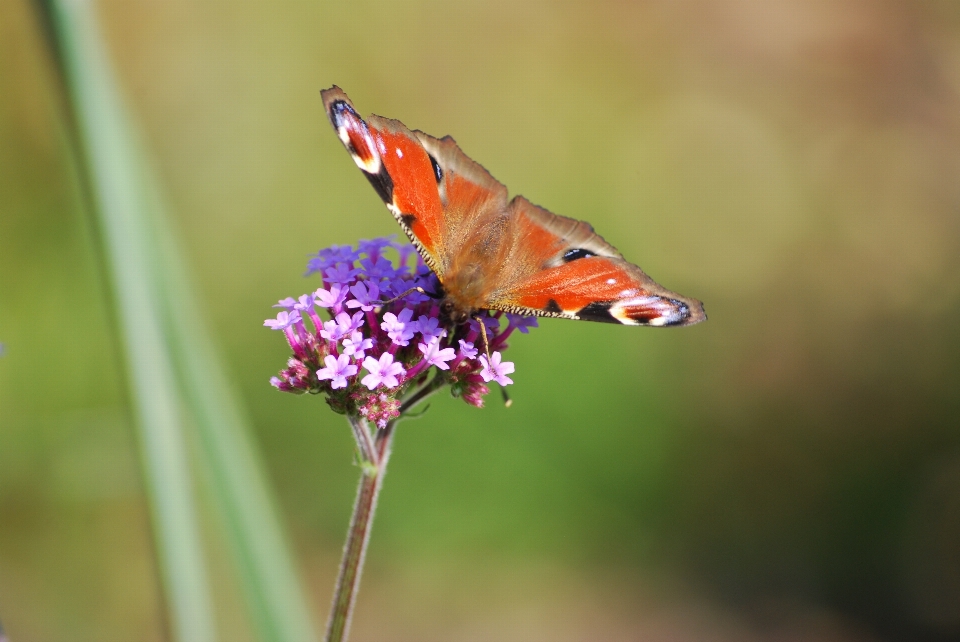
x: 562, y: 268
x: 433, y: 205
x: 489, y: 253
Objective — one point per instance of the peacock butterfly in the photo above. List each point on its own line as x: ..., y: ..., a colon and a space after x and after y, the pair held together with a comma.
x: 494, y: 253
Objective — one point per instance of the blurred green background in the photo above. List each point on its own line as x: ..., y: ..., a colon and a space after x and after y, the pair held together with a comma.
x: 789, y: 470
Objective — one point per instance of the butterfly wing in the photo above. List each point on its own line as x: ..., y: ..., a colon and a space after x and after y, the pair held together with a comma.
x: 560, y: 267
x: 490, y: 253
x: 435, y: 192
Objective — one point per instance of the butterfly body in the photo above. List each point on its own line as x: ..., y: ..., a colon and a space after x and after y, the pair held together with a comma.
x: 490, y: 252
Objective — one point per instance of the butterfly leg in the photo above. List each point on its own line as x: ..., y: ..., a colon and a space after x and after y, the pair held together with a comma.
x: 483, y: 332
x: 507, y: 401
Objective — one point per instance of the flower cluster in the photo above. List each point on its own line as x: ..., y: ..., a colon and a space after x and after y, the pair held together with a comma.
x: 385, y: 334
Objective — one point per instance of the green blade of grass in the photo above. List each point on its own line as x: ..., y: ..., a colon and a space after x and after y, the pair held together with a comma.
x: 175, y: 376
x: 272, y: 588
x: 116, y: 183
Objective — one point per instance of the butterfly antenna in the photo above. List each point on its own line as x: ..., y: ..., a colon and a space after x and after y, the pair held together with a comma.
x: 507, y: 401
x: 400, y: 296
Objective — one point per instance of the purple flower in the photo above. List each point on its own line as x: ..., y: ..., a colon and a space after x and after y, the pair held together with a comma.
x: 356, y: 346
x: 340, y: 273
x: 398, y: 326
x: 496, y: 371
x: 305, y: 303
x: 331, y: 331
x: 384, y: 371
x: 404, y: 249
x: 342, y: 326
x: 330, y: 298
x: 337, y: 370
x: 492, y: 323
x: 380, y: 268
x: 373, y: 247
x: 331, y: 256
x: 467, y: 350
x: 368, y: 337
x: 434, y: 356
x: 429, y: 327
x: 287, y: 304
x: 522, y: 323
x: 399, y: 285
x: 283, y: 321
x: 366, y: 296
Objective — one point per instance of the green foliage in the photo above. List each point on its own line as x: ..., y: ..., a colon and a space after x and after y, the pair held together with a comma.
x: 177, y: 384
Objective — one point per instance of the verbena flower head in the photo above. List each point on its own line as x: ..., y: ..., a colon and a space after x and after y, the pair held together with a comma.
x: 368, y: 355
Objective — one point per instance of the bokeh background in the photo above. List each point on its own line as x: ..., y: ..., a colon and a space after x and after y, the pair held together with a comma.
x: 789, y: 470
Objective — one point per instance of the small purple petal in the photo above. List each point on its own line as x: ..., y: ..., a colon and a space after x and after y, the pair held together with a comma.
x: 287, y: 304
x: 429, y: 327
x: 349, y: 324
x: 341, y: 273
x: 398, y: 327
x: 384, y: 371
x: 492, y: 323
x: 330, y: 298
x: 434, y: 356
x: 494, y: 370
x: 331, y: 331
x: 356, y: 346
x: 467, y: 350
x: 404, y: 250
x: 337, y: 370
x: 374, y: 247
x: 522, y: 323
x: 283, y: 321
x: 330, y: 256
x: 367, y: 296
x: 305, y: 303
x: 343, y: 325
x: 381, y: 268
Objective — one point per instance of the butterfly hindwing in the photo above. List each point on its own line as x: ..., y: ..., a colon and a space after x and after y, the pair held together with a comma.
x: 563, y: 268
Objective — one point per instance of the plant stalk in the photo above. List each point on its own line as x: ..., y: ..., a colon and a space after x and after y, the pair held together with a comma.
x: 374, y: 453
x: 373, y: 464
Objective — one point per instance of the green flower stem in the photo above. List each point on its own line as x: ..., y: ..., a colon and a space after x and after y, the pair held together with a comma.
x: 374, y: 453
x: 365, y: 447
x: 373, y: 466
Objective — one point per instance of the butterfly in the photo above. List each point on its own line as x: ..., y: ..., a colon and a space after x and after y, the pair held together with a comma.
x: 490, y: 252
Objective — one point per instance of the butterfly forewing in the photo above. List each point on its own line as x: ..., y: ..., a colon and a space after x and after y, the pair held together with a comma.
x: 398, y: 167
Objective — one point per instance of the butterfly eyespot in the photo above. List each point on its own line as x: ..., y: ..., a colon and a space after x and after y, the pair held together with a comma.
x: 337, y: 108
x: 436, y: 168
x: 578, y: 253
